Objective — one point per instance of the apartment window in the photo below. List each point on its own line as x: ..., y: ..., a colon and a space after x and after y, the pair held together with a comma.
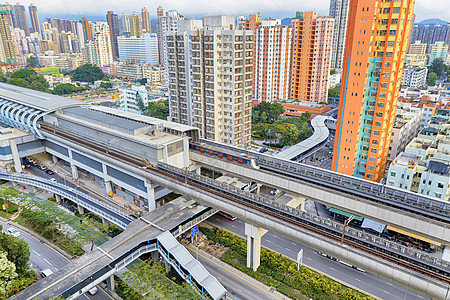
x: 440, y: 185
x: 393, y: 174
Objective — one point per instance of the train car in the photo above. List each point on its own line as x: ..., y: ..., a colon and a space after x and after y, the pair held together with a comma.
x: 225, y: 154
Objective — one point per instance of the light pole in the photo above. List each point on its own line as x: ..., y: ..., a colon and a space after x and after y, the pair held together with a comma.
x: 346, y: 222
x: 197, y: 248
x: 109, y: 143
x: 153, y: 292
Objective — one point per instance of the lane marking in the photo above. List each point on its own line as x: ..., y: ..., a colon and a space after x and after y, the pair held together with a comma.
x: 389, y: 283
x: 332, y: 268
x: 387, y: 292
x: 293, y: 243
x: 48, y: 262
x: 309, y: 258
x: 288, y: 249
x: 308, y: 266
x: 105, y: 292
x: 231, y: 272
x: 358, y: 279
x: 35, y: 253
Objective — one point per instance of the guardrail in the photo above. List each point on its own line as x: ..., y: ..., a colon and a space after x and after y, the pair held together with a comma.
x: 350, y: 232
x: 109, y: 213
x: 351, y: 184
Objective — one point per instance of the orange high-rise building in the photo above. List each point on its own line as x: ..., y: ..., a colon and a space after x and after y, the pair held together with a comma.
x: 377, y: 39
x: 312, y: 39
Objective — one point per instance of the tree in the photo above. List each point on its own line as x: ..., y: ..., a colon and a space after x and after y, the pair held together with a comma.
x: 438, y: 67
x: 17, y: 251
x: 3, y: 77
x: 67, y: 88
x: 159, y: 109
x: 7, y: 273
x: 289, y: 135
x: 23, y: 74
x: 140, y: 103
x: 269, y: 111
x: 334, y: 92
x: 19, y: 82
x: 31, y: 61
x: 87, y: 73
x: 38, y: 86
x: 432, y: 77
x: 332, y: 71
x: 105, y: 85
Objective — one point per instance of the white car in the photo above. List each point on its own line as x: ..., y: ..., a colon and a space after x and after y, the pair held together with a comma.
x: 46, y: 272
x: 93, y: 291
x: 12, y: 231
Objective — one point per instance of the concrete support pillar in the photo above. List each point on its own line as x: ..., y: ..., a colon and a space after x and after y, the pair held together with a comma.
x: 104, y: 221
x: 74, y: 169
x: 313, y: 157
x: 34, y: 190
x: 55, y: 159
x: 15, y: 154
x: 254, y: 235
x: 297, y: 202
x: 80, y: 209
x: 15, y: 184
x: 151, y: 198
x: 258, y: 189
x: 167, y: 265
x: 110, y: 283
x: 154, y: 255
x: 58, y: 198
x: 186, y: 151
x: 108, y: 187
x: 198, y: 171
x: 165, y: 154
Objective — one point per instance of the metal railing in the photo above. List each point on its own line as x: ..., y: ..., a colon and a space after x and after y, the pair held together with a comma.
x: 310, y: 218
x: 349, y: 183
x: 85, y: 200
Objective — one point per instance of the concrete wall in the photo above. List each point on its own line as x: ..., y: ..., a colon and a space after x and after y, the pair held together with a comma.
x: 404, y: 277
x: 387, y: 215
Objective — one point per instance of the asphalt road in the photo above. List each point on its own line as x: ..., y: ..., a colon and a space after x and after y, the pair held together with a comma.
x: 363, y: 281
x: 236, y: 286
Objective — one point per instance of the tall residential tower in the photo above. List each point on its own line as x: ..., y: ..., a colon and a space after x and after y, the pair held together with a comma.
x: 35, y: 25
x: 377, y: 39
x: 339, y: 11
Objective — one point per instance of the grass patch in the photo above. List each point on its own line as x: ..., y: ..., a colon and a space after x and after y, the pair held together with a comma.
x: 281, y: 272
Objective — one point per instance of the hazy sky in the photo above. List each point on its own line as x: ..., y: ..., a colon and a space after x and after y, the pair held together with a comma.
x: 425, y: 9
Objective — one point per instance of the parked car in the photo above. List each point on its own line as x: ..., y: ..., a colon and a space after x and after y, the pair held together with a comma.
x: 262, y: 149
x: 12, y: 231
x: 93, y: 291
x: 53, y: 180
x: 49, y: 172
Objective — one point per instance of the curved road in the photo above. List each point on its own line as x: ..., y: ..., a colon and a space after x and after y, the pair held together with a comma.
x: 369, y: 283
x: 42, y: 257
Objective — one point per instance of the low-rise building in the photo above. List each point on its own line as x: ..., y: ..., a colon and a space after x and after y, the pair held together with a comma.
x: 424, y: 166
x: 132, y: 71
x: 133, y: 98
x: 414, y: 77
x: 406, y: 126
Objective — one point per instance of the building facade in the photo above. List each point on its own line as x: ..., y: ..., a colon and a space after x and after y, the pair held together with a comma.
x: 167, y: 22
x: 34, y: 17
x: 20, y: 18
x: 431, y: 33
x: 310, y: 59
x: 210, y: 78
x: 377, y: 40
x: 272, y: 61
x: 439, y: 50
x: 414, y: 77
x: 138, y: 49
x: 339, y: 11
x: 7, y: 53
x: 113, y: 23
x: 146, y: 25
x: 133, y: 98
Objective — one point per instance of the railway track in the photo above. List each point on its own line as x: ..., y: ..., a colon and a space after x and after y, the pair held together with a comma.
x: 362, y: 245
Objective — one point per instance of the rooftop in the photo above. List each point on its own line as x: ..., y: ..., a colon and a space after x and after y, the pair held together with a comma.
x: 34, y: 99
x: 439, y: 166
x: 407, y: 159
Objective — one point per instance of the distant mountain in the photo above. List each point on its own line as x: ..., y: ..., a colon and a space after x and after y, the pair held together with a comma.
x: 286, y: 21
x: 433, y: 21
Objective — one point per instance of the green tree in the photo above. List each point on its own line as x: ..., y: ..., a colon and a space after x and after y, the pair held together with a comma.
x: 332, y: 71
x: 334, y: 92
x: 140, y: 103
x: 31, y: 61
x: 67, y: 88
x: 87, y: 73
x: 19, y: 82
x: 3, y: 77
x: 37, y: 86
x: 16, y: 250
x: 438, y: 67
x: 159, y: 109
x: 7, y: 273
x: 432, y: 77
x: 106, y: 85
x: 23, y: 74
x: 271, y: 111
x: 289, y: 135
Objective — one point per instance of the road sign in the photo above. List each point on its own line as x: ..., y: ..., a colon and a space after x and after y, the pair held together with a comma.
x: 194, y: 231
x: 299, y: 259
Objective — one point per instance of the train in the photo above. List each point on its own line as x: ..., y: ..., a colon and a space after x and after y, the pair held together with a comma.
x: 228, y: 155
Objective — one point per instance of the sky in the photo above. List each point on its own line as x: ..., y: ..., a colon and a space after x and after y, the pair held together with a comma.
x: 96, y: 9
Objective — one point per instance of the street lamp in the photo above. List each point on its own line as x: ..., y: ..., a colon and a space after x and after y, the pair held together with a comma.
x: 108, y: 143
x: 153, y: 291
x: 346, y: 222
x: 197, y: 248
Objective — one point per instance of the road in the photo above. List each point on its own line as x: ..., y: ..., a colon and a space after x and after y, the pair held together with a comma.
x: 237, y: 287
x: 42, y: 257
x: 363, y: 281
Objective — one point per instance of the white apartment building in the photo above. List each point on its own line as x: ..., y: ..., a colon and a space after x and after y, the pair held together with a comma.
x: 138, y: 49
x: 339, y: 11
x: 210, y: 71
x: 424, y: 167
x: 167, y: 22
x: 99, y: 51
x: 128, y: 98
x: 438, y: 50
x: 414, y: 77
x: 406, y: 126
